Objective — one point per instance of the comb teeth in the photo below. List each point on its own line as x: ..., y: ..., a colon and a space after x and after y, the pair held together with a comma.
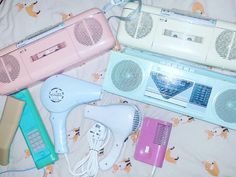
x: 162, y: 134
x: 136, y: 121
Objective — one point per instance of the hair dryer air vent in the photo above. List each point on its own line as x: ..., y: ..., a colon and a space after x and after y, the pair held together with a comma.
x: 137, y: 121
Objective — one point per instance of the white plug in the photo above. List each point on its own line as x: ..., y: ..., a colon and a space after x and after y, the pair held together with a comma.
x: 98, y: 137
x: 98, y: 132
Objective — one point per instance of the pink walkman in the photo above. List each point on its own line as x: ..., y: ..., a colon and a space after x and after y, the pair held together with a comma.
x: 153, y: 141
x: 67, y: 44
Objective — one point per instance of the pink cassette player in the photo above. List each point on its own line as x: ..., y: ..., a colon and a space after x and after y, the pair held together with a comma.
x: 70, y: 43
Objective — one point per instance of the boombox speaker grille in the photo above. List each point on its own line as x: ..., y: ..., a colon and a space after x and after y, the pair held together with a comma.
x: 126, y: 75
x: 140, y: 26
x: 226, y: 45
x: 88, y: 32
x: 3, y: 74
x: 12, y: 66
x: 11, y: 70
x: 225, y: 106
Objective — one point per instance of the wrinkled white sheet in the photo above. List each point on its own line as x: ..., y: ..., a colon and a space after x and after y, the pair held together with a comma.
x: 196, y: 148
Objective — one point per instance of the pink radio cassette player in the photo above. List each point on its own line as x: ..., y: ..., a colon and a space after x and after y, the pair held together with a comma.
x: 67, y: 44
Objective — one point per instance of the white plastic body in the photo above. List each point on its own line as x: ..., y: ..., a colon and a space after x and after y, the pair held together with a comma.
x: 58, y: 121
x: 60, y: 94
x: 119, y: 119
x: 185, y: 27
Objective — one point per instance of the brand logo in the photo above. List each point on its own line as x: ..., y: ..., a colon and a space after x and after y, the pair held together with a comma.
x: 56, y: 95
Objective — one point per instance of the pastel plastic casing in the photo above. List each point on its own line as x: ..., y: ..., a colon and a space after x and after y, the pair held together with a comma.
x: 62, y: 49
x: 60, y: 94
x: 166, y: 32
x: 31, y: 121
x: 147, y: 149
x: 10, y: 118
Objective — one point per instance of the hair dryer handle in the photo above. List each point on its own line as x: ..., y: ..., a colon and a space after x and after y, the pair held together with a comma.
x: 58, y: 121
x: 112, y: 157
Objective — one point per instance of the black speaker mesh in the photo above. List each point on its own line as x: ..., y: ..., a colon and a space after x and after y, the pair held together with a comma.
x: 225, y: 106
x: 12, y: 66
x: 126, y: 75
x: 88, y: 32
x: 142, y: 29
x: 3, y: 74
x: 226, y: 45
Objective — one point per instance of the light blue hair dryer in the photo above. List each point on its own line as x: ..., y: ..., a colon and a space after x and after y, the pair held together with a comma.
x: 60, y: 94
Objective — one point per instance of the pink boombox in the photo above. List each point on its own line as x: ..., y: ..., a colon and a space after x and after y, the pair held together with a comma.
x: 67, y: 44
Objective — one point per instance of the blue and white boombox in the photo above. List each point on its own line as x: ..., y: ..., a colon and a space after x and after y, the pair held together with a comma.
x: 176, y: 85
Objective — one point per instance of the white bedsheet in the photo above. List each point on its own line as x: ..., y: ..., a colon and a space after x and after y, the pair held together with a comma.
x: 196, y: 148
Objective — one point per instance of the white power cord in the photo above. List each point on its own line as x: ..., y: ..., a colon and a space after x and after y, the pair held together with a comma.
x: 98, y: 136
